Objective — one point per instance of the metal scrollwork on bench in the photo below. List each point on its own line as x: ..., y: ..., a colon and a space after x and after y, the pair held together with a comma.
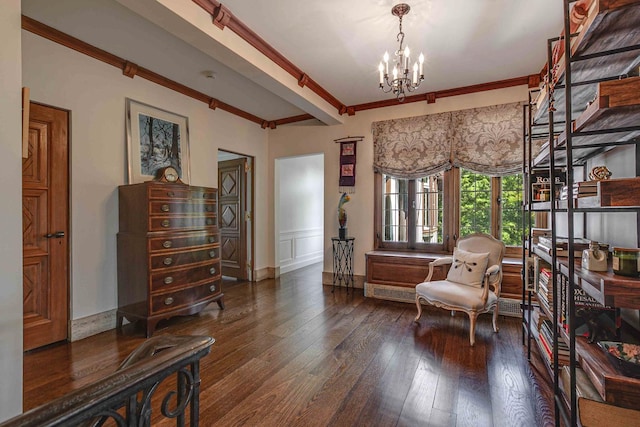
x: 124, y: 398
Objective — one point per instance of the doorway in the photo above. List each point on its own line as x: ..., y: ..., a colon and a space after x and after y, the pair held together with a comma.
x: 235, y: 214
x: 299, y: 216
x: 45, y: 231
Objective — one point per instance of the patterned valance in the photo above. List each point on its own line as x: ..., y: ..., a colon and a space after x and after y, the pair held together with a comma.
x: 485, y: 140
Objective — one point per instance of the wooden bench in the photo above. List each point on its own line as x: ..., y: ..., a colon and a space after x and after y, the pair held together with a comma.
x: 393, y: 275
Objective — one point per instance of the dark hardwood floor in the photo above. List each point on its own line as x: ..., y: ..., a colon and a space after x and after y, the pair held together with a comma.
x: 288, y: 352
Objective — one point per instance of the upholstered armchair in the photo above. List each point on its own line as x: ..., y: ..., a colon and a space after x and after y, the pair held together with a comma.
x: 473, y: 282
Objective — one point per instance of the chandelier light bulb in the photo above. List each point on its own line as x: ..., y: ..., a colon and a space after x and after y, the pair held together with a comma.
x: 381, y: 69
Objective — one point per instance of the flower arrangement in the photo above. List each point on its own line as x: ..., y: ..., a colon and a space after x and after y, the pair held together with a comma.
x: 342, y: 214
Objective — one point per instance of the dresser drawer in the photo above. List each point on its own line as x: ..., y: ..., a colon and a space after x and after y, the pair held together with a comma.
x: 170, y: 301
x: 169, y: 192
x: 172, y: 223
x: 165, y: 191
x: 176, y: 259
x: 169, y: 206
x: 177, y: 241
x: 167, y: 279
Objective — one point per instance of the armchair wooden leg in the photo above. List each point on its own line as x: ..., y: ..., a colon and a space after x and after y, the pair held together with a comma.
x: 495, y: 319
x: 419, y: 309
x: 472, y: 327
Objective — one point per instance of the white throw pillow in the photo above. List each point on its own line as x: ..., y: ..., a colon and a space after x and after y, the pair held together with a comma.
x: 468, y: 268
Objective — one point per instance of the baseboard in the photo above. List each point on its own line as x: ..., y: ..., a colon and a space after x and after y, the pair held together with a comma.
x: 327, y: 280
x: 506, y: 306
x: 92, y: 325
x: 299, y: 263
x: 266, y: 273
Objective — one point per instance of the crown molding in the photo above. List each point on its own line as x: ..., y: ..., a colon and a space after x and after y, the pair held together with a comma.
x: 247, y: 34
x: 129, y: 68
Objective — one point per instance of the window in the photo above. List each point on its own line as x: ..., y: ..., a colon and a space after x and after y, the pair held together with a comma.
x: 475, y: 203
x: 414, y: 214
x: 411, y: 212
x: 511, y: 203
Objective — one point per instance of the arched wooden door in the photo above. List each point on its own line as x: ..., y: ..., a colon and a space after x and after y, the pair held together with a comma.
x: 45, y: 233
x: 232, y: 197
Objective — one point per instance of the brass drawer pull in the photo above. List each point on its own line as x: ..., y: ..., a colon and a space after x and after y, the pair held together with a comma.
x: 166, y: 223
x: 212, y: 254
x: 168, y: 301
x: 212, y: 270
x: 170, y: 193
x: 164, y: 208
x: 209, y: 208
x: 167, y: 244
x: 209, y: 221
x: 212, y: 239
x: 212, y: 288
x: 168, y: 280
x: 167, y: 261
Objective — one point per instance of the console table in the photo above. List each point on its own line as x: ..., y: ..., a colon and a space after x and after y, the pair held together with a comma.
x: 342, y: 261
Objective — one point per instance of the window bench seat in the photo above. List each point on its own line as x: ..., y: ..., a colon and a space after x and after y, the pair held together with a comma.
x: 393, y: 275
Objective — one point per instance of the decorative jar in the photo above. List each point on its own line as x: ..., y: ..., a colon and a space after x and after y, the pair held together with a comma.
x: 626, y: 261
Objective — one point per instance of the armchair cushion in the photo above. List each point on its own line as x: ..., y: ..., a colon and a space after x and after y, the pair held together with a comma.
x: 468, y: 268
x: 455, y: 295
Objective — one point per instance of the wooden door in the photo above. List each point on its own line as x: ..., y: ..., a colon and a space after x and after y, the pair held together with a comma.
x: 45, y: 228
x: 231, y: 207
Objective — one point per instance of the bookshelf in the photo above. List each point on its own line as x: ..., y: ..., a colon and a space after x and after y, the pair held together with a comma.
x: 589, y: 105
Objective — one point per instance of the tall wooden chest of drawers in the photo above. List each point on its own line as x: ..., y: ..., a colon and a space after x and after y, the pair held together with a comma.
x: 168, y: 252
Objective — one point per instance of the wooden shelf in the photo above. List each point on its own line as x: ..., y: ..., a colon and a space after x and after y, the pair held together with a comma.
x: 606, y: 287
x: 612, y: 386
x: 611, y: 193
x: 616, y: 105
x: 608, y: 25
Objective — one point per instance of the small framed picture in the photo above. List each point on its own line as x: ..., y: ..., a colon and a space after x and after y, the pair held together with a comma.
x: 348, y: 149
x: 347, y: 170
x: 156, y: 139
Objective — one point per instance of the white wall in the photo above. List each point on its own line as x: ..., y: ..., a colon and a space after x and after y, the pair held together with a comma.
x: 295, y: 140
x: 11, y: 223
x: 95, y: 94
x: 300, y: 203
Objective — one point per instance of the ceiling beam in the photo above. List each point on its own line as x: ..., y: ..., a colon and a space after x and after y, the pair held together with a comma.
x: 128, y: 68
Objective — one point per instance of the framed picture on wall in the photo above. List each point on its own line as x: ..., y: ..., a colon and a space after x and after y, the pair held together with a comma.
x: 156, y: 138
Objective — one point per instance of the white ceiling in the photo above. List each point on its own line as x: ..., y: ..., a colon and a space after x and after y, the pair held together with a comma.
x: 337, y: 43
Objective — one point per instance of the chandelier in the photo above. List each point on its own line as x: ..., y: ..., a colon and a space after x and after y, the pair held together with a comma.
x: 402, y: 78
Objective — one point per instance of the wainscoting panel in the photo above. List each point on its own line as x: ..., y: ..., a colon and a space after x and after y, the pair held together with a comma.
x: 299, y: 248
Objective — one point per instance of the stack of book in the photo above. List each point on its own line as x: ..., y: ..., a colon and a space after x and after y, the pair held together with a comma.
x: 585, y: 189
x: 545, y: 244
x: 546, y: 341
x: 591, y: 316
x: 580, y: 189
x: 545, y: 288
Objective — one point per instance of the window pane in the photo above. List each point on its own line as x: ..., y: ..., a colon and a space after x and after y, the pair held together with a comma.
x: 429, y: 209
x: 394, y: 209
x: 475, y: 203
x: 511, y: 217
